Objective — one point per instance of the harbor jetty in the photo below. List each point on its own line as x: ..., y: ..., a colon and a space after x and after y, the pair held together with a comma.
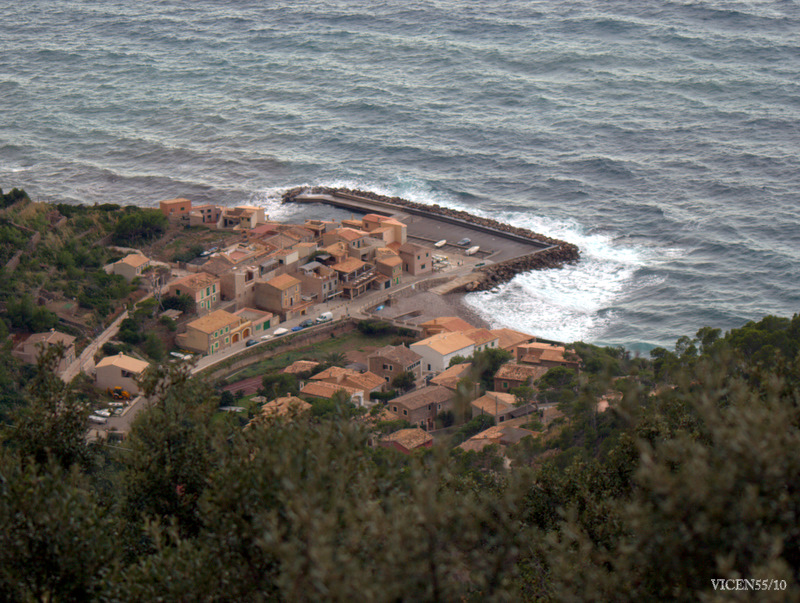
x: 519, y: 249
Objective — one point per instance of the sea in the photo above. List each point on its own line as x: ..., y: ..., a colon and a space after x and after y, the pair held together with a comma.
x: 660, y: 136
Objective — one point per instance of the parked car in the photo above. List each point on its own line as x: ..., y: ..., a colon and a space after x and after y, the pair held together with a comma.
x: 281, y: 331
x: 250, y: 342
x: 307, y: 323
x: 298, y: 328
x: 325, y: 317
x: 464, y: 242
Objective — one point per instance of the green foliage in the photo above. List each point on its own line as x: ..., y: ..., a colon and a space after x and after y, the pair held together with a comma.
x: 171, y: 325
x: 11, y: 197
x: 648, y: 501
x: 446, y: 418
x: 277, y: 385
x: 523, y: 394
x: 170, y: 451
x: 24, y: 314
x: 101, y: 289
x: 154, y: 347
x: 57, y: 541
x: 188, y: 254
x: 384, y: 396
x: 52, y: 427
x: 140, y: 225
x: 182, y: 302
x: 379, y: 328
x: 474, y: 426
x: 404, y: 381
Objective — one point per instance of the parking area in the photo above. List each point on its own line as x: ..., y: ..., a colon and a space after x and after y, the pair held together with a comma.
x: 428, y: 230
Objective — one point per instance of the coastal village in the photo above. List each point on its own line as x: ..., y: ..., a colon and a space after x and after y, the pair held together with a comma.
x: 265, y: 283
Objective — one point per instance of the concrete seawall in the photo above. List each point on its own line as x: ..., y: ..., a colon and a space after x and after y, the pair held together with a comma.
x: 552, y: 253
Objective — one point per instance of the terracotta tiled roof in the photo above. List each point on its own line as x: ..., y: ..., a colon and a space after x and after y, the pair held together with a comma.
x: 196, y: 281
x: 412, y: 248
x: 520, y: 372
x: 124, y: 362
x: 214, y: 321
x: 50, y: 338
x: 433, y: 394
x: 509, y: 338
x: 451, y: 376
x: 409, y: 438
x: 282, y: 406
x: 177, y: 201
x: 446, y: 323
x: 283, y: 282
x: 300, y: 366
x: 495, y: 403
x: 392, y: 260
x: 445, y: 343
x: 321, y: 389
x: 399, y: 354
x: 348, y: 265
x: 350, y: 234
x: 480, y: 336
x: 134, y: 260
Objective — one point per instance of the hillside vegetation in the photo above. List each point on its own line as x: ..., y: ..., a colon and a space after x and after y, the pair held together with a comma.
x: 694, y: 475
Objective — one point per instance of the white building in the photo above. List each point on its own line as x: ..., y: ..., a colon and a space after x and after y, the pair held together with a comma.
x: 437, y: 350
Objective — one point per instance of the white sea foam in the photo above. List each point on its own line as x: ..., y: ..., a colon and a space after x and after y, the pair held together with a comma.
x: 577, y: 302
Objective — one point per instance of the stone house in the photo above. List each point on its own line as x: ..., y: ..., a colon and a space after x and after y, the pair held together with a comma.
x: 131, y: 266
x: 390, y: 361
x: 175, y: 208
x: 120, y: 371
x: 29, y: 350
x: 407, y: 440
x: 421, y: 406
x: 214, y: 332
x: 416, y: 259
x: 512, y: 375
x: 203, y: 288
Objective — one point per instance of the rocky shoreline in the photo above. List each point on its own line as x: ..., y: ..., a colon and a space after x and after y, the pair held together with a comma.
x: 556, y: 256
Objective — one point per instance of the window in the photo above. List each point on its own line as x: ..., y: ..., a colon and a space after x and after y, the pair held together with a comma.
x: 394, y: 409
x: 429, y: 367
x: 214, y: 288
x: 422, y: 267
x: 208, y: 291
x: 405, y: 412
x: 227, y: 340
x: 505, y: 384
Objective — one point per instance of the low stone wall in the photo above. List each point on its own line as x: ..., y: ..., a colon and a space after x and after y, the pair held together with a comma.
x: 297, y: 340
x: 558, y: 254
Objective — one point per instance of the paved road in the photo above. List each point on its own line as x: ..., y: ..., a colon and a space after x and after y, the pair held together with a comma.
x: 85, y: 362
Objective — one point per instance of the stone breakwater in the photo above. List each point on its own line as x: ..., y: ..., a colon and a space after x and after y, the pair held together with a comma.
x: 558, y: 254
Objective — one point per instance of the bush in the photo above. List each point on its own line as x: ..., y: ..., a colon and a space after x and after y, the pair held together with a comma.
x: 140, y: 225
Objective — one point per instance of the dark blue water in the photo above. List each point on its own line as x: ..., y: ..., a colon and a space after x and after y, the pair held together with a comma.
x: 661, y: 137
